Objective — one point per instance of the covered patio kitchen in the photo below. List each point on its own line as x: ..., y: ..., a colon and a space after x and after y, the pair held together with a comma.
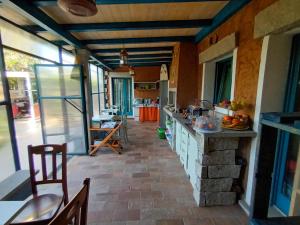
x: 149, y: 112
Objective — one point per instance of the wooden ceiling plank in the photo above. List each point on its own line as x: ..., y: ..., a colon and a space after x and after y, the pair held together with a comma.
x: 121, y: 26
x: 165, y: 55
x: 42, y: 3
x: 138, y: 40
x: 116, y: 50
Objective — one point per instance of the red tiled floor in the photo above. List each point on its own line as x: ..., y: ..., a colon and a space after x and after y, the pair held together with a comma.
x: 170, y: 222
x: 146, y: 185
x: 138, y: 175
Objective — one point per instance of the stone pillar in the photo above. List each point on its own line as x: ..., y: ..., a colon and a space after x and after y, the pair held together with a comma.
x: 216, y: 169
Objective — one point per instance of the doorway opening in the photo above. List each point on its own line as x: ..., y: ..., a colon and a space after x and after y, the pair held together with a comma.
x: 122, y: 95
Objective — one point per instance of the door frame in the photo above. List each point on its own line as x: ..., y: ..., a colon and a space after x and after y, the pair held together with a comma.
x: 283, y: 142
x: 120, y: 75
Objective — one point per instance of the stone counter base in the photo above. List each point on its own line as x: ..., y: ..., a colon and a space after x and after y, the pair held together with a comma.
x: 216, y: 171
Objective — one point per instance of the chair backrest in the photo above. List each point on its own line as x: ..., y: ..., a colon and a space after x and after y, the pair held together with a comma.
x: 53, y: 151
x: 75, y: 212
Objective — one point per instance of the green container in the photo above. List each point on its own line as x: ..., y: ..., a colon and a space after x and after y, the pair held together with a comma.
x: 161, y: 133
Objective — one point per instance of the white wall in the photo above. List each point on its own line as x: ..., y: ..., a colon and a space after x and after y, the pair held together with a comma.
x: 273, y: 72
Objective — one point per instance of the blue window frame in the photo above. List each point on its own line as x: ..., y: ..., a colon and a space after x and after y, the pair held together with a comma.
x: 287, y: 148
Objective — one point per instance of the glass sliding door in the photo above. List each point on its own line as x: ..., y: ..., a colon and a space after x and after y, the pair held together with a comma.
x: 9, y: 161
x: 62, y: 106
x: 122, y: 95
x: 7, y: 165
x: 94, y: 80
x: 102, y: 92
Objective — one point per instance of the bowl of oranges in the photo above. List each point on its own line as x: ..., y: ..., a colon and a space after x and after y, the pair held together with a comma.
x: 236, y: 122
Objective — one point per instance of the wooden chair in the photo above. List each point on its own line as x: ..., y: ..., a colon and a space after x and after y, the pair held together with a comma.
x: 41, y: 209
x: 109, y: 140
x: 76, y: 210
x: 124, y: 128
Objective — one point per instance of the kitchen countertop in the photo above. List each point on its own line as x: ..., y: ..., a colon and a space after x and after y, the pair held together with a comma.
x: 224, y: 133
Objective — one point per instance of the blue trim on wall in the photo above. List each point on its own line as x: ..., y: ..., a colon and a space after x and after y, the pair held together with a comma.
x: 111, y: 2
x: 229, y: 10
x: 117, y: 26
x: 138, y: 40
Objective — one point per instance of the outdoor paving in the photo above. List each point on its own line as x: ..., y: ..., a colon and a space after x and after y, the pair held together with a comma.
x: 146, y: 185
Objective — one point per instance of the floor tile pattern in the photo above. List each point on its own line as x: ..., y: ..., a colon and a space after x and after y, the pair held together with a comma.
x: 146, y: 185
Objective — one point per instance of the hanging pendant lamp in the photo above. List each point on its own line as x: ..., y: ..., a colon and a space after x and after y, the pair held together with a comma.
x: 123, y: 58
x: 79, y: 7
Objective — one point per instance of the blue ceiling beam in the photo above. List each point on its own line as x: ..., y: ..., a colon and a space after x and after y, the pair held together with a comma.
x: 139, y: 56
x: 147, y: 49
x: 114, y: 2
x: 37, y: 16
x: 121, y: 26
x: 138, y: 40
x: 229, y: 10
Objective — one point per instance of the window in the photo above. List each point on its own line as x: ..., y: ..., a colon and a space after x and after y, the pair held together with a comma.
x: 94, y: 90
x: 223, y: 80
x: 97, y: 89
x: 7, y: 163
x: 101, y: 88
x: 16, y: 38
x: 68, y: 58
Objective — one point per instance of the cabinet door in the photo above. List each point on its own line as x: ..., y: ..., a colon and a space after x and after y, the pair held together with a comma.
x: 184, y: 147
x: 178, y: 137
x: 192, y: 157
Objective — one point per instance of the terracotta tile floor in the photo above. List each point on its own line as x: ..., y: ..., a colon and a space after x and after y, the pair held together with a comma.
x: 146, y: 185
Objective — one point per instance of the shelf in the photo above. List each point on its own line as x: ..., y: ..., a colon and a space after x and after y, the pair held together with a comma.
x: 146, y: 86
x: 146, y: 82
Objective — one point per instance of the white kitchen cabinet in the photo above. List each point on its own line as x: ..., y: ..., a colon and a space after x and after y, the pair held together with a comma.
x: 192, y: 157
x: 184, y: 147
x: 178, y: 137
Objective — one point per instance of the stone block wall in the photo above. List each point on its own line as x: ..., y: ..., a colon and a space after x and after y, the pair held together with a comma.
x: 216, y: 170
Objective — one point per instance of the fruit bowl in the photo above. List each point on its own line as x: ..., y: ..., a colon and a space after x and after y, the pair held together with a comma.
x: 236, y: 122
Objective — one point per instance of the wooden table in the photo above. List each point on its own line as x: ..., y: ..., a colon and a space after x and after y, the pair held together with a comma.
x: 108, y: 141
x: 9, y: 210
